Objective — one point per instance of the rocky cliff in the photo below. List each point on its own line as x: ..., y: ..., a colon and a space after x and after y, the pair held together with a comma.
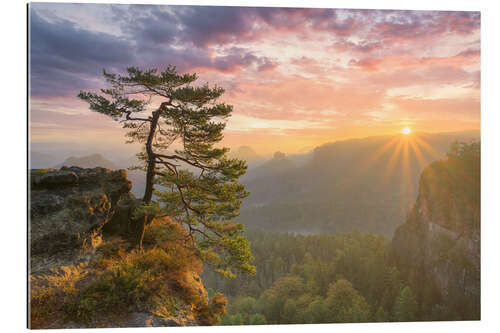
x: 68, y: 208
x: 438, y: 248
x: 85, y: 273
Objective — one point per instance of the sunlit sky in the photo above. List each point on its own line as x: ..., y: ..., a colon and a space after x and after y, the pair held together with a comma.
x: 297, y: 78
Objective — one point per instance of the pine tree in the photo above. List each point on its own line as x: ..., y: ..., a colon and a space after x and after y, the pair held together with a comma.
x: 180, y: 133
x: 346, y: 304
x: 406, y: 306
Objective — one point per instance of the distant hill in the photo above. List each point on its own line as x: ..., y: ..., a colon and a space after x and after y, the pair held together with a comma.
x: 247, y: 154
x: 276, y: 165
x: 367, y: 183
x: 90, y: 161
x: 244, y: 152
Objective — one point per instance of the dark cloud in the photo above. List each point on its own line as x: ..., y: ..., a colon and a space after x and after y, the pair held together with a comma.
x: 206, y: 26
x: 203, y: 27
x: 185, y: 25
x: 147, y: 24
x: 236, y: 58
x: 412, y: 25
x: 339, y: 22
x: 63, y: 58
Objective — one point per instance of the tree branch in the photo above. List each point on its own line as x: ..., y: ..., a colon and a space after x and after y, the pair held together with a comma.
x: 177, y: 157
x: 127, y: 117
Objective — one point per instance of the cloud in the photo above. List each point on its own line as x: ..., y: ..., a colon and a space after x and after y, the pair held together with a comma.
x: 245, y: 123
x: 464, y: 58
x: 396, y: 32
x: 430, y: 75
x: 414, y: 25
x: 64, y: 58
x: 208, y: 26
x: 361, y: 47
x: 296, y: 71
x: 444, y: 108
x: 235, y: 58
x: 340, y: 22
x: 432, y: 92
x: 195, y: 26
x: 301, y: 99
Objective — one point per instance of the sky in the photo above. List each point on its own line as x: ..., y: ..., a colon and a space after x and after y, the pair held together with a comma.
x: 297, y: 78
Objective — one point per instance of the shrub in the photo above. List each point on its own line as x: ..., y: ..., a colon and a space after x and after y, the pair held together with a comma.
x: 111, y: 293
x: 49, y: 293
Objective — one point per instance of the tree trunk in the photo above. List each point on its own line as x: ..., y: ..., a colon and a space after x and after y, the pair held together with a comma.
x: 148, y: 193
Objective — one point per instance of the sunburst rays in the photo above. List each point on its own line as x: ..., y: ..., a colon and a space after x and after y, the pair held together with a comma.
x: 403, y: 155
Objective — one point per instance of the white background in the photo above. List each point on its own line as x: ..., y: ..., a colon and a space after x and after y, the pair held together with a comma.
x: 13, y: 191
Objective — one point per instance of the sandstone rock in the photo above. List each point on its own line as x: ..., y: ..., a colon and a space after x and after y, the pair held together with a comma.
x: 54, y: 179
x: 438, y: 248
x: 68, y: 207
x: 122, y: 223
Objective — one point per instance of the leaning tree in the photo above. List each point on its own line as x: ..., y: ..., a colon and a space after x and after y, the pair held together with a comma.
x: 198, y: 182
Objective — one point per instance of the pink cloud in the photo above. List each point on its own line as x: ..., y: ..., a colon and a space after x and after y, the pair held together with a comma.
x: 370, y: 64
x: 452, y: 108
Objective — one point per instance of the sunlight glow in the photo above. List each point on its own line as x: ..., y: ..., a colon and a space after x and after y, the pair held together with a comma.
x: 408, y: 152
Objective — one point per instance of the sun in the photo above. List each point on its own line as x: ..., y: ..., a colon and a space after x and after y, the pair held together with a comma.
x: 406, y: 130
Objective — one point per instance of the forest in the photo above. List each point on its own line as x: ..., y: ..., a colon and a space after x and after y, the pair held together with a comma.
x: 321, y: 279
x: 365, y: 277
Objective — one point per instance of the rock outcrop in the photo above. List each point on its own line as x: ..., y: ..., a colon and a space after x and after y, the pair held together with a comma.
x: 438, y: 248
x: 84, y: 270
x: 69, y: 207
